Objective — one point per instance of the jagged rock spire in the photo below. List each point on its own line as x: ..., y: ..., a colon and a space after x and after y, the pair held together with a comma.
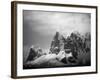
x: 57, y: 43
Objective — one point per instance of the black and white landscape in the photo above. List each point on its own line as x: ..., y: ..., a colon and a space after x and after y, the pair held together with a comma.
x: 56, y: 39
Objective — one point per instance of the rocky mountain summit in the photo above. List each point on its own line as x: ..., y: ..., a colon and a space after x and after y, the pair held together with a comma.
x: 80, y: 46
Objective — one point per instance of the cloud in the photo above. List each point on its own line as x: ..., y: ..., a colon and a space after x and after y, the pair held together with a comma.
x: 47, y: 23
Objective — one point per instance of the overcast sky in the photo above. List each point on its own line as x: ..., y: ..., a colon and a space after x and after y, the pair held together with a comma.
x: 40, y: 26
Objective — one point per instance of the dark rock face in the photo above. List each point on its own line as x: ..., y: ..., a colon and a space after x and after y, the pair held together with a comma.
x: 32, y: 54
x: 57, y: 43
x: 80, y: 46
